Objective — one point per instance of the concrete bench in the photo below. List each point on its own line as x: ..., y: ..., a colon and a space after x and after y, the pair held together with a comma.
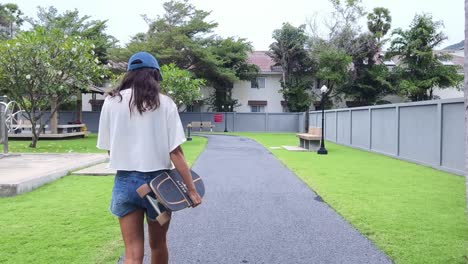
x: 27, y: 126
x: 310, y: 140
x: 201, y: 125
x: 70, y: 128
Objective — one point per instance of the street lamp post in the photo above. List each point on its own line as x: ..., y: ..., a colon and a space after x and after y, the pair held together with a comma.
x: 322, y: 150
x: 189, y: 132
x: 225, y: 120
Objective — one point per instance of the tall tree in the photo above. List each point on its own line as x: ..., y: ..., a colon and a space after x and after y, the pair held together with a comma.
x: 40, y: 65
x: 10, y: 20
x: 288, y: 51
x: 370, y: 77
x: 180, y: 86
x: 344, y: 26
x: 72, y: 24
x: 379, y: 22
x: 331, y: 53
x: 183, y: 36
x: 421, y: 69
x: 231, y: 56
x: 466, y: 102
x: 333, y: 66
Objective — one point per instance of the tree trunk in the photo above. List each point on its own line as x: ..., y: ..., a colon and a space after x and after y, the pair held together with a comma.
x: 466, y: 101
x: 33, y: 141
x: 35, y: 135
x: 79, y: 107
x: 54, y: 117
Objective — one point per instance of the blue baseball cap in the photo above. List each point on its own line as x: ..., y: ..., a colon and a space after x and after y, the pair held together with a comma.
x: 141, y: 60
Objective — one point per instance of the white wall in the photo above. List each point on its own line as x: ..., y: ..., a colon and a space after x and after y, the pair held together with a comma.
x: 270, y: 93
x: 206, y: 93
x: 85, y: 103
x: 448, y: 93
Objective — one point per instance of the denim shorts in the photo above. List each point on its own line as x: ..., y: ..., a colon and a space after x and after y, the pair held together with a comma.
x: 125, y: 199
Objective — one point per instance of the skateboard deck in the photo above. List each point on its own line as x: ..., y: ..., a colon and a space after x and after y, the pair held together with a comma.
x: 171, y: 192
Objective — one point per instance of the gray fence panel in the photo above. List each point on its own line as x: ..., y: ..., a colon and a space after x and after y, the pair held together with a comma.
x: 301, y: 124
x: 283, y: 123
x: 428, y: 132
x: 344, y: 128
x: 250, y: 122
x: 452, y: 136
x: 360, y: 128
x: 384, y: 125
x: 247, y: 122
x: 66, y: 117
x: 313, y: 120
x: 418, y: 133
x: 187, y: 117
x: 330, y: 126
x: 91, y: 119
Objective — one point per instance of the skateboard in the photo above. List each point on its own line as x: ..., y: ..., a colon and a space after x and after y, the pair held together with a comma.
x: 169, y: 190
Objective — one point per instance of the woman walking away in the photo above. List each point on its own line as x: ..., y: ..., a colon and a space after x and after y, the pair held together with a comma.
x: 141, y: 129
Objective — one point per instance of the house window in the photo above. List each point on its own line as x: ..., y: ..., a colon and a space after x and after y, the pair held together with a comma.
x: 258, y: 82
x: 257, y: 108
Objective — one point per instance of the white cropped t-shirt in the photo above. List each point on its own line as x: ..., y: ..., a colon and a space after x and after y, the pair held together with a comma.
x: 139, y: 142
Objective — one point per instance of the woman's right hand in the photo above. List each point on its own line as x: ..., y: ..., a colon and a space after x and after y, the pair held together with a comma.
x: 195, y: 197
x: 178, y: 158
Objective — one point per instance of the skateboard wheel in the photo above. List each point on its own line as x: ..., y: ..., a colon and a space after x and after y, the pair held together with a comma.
x: 143, y: 190
x: 163, y: 218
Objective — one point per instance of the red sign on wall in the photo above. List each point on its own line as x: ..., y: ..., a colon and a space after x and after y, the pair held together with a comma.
x: 218, y: 118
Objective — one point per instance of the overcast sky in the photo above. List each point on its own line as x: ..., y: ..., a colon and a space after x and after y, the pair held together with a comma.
x: 254, y: 20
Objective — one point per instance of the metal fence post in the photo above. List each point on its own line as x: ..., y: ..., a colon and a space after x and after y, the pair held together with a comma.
x: 234, y: 120
x: 3, y: 127
x: 350, y: 127
x: 336, y: 126
x: 397, y: 118
x: 439, y: 133
x: 370, y: 128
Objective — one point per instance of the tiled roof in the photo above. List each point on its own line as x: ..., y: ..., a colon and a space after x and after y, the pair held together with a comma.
x: 263, y: 61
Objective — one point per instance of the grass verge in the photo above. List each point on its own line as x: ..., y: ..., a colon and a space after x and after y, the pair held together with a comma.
x: 415, y: 214
x: 73, y: 145
x: 66, y: 221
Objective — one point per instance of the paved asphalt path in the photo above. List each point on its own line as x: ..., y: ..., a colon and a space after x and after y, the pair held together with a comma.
x: 257, y: 211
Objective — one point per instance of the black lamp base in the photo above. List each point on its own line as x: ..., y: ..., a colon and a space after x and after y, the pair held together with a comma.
x: 322, y: 151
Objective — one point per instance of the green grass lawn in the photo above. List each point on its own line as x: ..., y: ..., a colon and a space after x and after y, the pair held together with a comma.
x: 66, y: 221
x: 413, y: 213
x: 74, y: 145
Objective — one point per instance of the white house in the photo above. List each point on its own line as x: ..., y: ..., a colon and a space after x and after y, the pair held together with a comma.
x: 262, y: 94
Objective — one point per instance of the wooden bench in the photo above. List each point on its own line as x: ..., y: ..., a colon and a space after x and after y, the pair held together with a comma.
x: 310, y: 140
x: 201, y: 125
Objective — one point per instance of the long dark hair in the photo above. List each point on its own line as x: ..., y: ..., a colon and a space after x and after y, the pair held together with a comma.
x: 145, y: 89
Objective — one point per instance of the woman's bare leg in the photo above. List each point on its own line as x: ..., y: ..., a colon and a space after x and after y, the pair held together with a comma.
x: 131, y: 227
x: 157, y: 242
